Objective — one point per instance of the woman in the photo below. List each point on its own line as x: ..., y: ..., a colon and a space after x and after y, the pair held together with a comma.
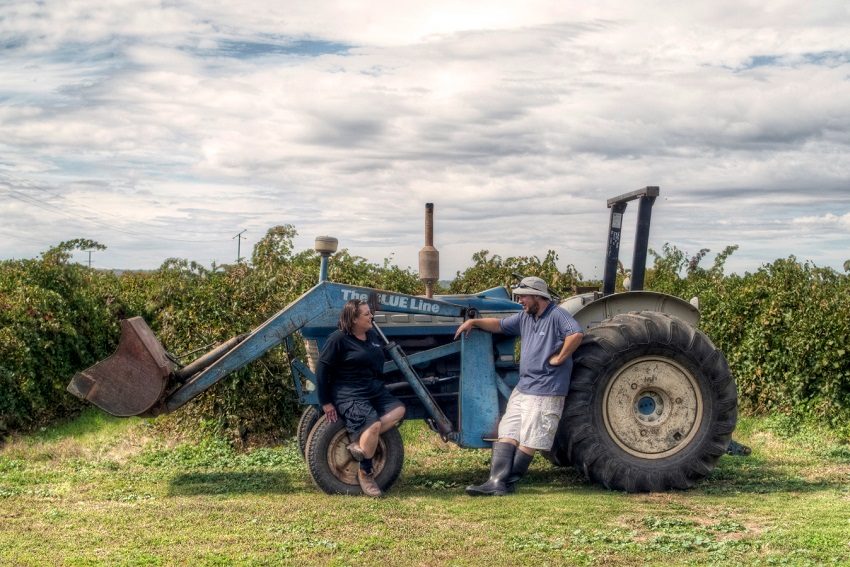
x: 347, y: 377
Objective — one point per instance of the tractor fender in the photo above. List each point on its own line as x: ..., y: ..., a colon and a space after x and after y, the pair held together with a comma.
x: 591, y: 309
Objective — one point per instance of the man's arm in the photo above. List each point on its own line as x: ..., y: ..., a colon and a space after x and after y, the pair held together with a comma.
x: 489, y: 324
x: 570, y: 345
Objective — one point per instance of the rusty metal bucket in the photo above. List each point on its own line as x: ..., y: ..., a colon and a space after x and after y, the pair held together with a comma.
x: 131, y: 381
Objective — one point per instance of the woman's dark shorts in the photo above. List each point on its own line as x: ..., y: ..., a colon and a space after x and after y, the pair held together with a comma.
x: 360, y: 413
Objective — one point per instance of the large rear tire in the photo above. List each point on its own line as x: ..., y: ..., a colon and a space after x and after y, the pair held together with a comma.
x: 332, y: 467
x: 652, y: 405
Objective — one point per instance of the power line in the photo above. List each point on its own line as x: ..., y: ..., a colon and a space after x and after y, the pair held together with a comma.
x: 239, y: 238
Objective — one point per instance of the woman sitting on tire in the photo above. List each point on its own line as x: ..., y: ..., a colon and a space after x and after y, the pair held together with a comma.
x: 347, y: 377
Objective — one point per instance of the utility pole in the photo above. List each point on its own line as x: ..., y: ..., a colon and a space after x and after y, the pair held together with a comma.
x: 89, y: 251
x: 239, y: 238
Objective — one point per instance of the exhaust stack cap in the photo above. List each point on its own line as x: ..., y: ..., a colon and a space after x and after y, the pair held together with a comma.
x: 326, y: 245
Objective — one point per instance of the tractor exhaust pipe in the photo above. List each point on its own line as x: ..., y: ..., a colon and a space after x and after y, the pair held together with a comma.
x: 429, y: 257
x: 325, y: 246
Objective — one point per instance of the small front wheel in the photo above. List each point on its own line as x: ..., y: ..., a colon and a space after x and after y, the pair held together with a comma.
x: 332, y: 467
x: 308, y: 420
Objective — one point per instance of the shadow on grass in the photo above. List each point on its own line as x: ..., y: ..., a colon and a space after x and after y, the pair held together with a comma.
x: 195, y: 484
x: 733, y: 476
x: 754, y: 475
x: 442, y: 483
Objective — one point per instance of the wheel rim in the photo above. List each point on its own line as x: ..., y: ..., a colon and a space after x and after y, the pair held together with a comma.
x: 652, y: 407
x: 343, y: 466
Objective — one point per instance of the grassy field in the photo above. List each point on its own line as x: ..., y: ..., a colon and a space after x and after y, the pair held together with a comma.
x: 103, y: 491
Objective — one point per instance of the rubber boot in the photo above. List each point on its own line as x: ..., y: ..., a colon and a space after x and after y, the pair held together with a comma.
x: 500, y: 467
x: 521, y: 462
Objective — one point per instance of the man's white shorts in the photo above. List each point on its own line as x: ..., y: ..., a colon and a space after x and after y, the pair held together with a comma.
x: 531, y: 420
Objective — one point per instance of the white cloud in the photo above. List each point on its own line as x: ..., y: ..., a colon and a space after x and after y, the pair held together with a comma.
x: 828, y: 220
x: 199, y: 119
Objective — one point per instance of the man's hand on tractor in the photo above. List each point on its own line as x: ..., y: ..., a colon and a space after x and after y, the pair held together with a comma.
x: 489, y: 324
x: 465, y: 327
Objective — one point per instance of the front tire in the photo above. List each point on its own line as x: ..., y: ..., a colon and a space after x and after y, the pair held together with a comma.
x: 652, y: 405
x: 309, y: 417
x: 332, y: 467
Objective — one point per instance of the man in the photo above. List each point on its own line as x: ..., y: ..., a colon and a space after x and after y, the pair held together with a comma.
x: 549, y: 336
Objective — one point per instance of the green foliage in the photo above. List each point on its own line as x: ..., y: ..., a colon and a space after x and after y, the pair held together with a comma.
x: 58, y: 318
x: 55, y: 318
x: 492, y: 271
x: 785, y: 330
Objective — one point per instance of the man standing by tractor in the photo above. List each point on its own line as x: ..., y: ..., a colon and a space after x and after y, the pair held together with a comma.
x: 549, y: 337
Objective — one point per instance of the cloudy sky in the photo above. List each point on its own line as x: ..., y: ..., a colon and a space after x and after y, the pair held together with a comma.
x: 164, y: 128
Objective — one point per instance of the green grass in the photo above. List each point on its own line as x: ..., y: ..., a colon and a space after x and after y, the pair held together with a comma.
x: 104, y: 491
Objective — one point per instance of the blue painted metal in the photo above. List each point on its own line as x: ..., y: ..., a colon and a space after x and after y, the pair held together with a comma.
x: 503, y: 387
x: 315, y: 303
x: 479, y: 398
x: 646, y: 405
x: 463, y: 380
x: 425, y: 356
x: 498, y: 301
x: 300, y: 373
x: 441, y: 422
x: 323, y: 269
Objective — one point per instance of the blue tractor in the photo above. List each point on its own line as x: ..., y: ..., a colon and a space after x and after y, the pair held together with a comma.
x: 652, y: 404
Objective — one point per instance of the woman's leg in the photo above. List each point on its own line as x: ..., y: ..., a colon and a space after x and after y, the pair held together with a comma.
x: 391, y: 418
x: 369, y: 439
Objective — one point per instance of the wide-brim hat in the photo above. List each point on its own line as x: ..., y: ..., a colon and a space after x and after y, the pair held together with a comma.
x: 532, y: 286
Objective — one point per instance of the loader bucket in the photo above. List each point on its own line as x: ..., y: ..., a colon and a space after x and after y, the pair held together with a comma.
x: 131, y: 381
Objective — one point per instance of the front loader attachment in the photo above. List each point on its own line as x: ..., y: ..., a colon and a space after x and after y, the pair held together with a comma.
x: 141, y: 379
x: 131, y: 381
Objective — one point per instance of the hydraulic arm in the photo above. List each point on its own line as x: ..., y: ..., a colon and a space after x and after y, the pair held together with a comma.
x: 142, y: 379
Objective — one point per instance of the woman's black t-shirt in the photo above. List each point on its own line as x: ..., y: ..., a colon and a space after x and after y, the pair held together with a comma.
x: 349, y: 368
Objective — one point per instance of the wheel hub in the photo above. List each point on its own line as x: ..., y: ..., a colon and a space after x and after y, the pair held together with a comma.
x: 342, y: 464
x: 652, y: 407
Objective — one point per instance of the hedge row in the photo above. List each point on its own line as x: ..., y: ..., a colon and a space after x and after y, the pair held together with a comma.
x: 785, y: 328
x: 57, y: 318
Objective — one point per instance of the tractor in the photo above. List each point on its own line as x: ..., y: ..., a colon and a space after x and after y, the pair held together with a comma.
x: 651, y: 407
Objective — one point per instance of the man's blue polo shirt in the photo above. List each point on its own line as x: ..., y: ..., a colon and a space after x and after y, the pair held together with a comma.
x: 541, y: 338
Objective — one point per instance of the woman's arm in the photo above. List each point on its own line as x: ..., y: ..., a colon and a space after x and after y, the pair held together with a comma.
x: 324, y: 375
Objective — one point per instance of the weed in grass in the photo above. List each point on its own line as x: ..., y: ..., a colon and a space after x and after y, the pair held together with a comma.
x: 727, y: 527
x: 9, y: 491
x: 840, y: 453
x: 615, y: 539
x: 128, y: 495
x: 55, y: 514
x: 210, y: 453
x: 661, y: 524
x: 437, y: 484
x: 10, y: 465
x: 534, y: 542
